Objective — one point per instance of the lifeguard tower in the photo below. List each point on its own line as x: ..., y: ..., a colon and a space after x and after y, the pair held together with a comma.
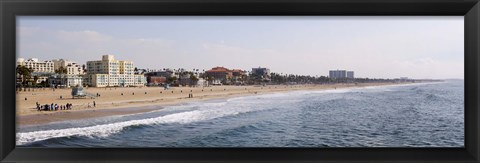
x: 80, y: 93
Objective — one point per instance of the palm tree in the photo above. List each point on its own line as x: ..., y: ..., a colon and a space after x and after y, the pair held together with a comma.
x: 193, y: 79
x: 24, y: 72
x: 35, y: 79
x: 209, y: 79
x: 61, y: 70
x: 171, y: 79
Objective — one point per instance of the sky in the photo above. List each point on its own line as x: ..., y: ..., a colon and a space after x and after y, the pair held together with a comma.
x: 417, y: 47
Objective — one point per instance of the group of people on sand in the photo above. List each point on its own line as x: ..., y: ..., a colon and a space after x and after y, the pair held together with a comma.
x: 54, y: 107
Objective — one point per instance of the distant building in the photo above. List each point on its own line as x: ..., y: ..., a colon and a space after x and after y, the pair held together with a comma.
x: 350, y: 74
x: 64, y: 80
x: 238, y: 73
x: 41, y: 69
x: 338, y: 74
x: 219, y: 74
x: 264, y: 73
x: 111, y: 72
x: 71, y: 78
x: 167, y: 73
x: 156, y: 80
x: 184, y: 79
x: 72, y: 67
x: 158, y: 77
x: 403, y: 79
x: 222, y: 75
x: 202, y: 82
x: 37, y: 66
x: 238, y: 76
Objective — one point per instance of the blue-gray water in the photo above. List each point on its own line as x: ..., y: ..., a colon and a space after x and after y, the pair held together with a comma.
x: 418, y: 115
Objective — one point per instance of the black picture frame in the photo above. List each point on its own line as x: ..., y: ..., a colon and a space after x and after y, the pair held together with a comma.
x: 9, y: 9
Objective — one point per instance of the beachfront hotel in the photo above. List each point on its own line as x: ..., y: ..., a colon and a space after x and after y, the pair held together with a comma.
x: 109, y: 72
x: 37, y: 66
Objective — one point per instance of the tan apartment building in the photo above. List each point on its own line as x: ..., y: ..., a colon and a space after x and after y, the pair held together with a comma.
x: 109, y: 72
x: 72, y: 67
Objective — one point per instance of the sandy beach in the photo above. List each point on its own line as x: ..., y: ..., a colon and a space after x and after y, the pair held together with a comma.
x: 134, y: 99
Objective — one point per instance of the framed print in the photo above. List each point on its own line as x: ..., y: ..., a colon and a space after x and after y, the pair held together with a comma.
x: 240, y: 81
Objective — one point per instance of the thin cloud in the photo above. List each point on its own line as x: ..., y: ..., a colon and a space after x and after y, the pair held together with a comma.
x: 387, y: 47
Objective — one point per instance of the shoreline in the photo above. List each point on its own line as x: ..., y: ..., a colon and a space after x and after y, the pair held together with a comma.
x: 148, y: 101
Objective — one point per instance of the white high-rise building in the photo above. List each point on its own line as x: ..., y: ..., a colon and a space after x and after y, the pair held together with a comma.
x: 111, y: 72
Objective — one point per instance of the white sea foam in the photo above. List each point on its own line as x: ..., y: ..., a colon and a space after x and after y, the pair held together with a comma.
x: 108, y: 129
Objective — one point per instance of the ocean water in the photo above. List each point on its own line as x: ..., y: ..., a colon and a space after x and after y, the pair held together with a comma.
x: 415, y: 115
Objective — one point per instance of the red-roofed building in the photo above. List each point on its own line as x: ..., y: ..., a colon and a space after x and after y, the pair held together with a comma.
x: 238, y: 72
x: 219, y: 73
x: 225, y: 75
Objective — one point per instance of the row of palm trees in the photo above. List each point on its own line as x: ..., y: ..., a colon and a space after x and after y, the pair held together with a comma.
x: 272, y: 78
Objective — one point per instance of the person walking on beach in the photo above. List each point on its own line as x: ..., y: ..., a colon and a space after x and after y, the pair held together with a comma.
x: 94, y: 105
